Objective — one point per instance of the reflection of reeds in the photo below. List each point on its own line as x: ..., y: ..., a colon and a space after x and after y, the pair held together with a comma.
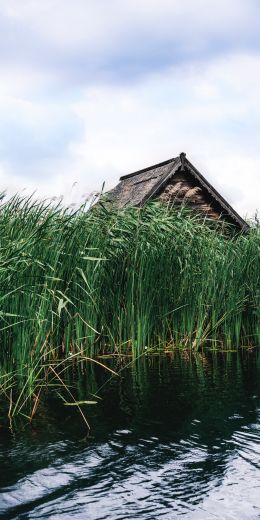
x: 110, y: 281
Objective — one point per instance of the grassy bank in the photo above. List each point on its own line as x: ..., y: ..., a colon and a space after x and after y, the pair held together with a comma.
x: 109, y: 281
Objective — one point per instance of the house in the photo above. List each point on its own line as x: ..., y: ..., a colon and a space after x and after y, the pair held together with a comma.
x: 175, y: 181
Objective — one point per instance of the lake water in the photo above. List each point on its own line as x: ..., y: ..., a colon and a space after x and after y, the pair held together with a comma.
x: 174, y: 436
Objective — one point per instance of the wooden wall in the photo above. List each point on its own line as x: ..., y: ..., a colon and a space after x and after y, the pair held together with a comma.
x: 183, y: 189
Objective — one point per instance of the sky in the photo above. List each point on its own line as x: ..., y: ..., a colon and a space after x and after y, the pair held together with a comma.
x: 94, y: 89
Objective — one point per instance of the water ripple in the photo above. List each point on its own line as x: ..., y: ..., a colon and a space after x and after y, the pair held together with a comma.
x: 203, y: 464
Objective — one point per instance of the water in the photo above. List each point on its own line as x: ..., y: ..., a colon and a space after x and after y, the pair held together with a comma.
x: 175, y: 436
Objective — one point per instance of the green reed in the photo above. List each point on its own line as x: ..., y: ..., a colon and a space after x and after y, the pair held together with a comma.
x: 106, y: 280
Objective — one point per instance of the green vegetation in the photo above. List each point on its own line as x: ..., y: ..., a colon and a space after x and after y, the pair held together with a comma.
x: 77, y: 284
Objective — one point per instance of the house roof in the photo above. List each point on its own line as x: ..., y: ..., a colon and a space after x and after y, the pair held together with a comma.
x: 138, y: 187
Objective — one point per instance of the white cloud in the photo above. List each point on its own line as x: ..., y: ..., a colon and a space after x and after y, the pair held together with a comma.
x: 210, y: 112
x: 63, y: 22
x: 88, y: 40
x: 180, y: 83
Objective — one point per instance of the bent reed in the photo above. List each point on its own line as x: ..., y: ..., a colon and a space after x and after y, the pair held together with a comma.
x: 77, y: 284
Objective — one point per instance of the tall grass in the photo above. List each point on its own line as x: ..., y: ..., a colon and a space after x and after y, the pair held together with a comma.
x: 109, y: 281
x: 105, y: 279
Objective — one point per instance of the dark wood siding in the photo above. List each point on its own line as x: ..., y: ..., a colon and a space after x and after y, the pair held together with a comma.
x: 183, y: 189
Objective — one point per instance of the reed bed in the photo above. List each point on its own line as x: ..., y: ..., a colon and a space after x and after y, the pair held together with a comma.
x: 77, y: 284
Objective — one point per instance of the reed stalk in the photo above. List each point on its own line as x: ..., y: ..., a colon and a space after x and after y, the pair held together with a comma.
x: 105, y: 280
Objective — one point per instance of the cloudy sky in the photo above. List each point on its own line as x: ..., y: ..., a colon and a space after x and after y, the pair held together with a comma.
x: 92, y: 89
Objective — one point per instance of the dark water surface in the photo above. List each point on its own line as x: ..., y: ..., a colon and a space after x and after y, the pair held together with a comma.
x: 174, y: 436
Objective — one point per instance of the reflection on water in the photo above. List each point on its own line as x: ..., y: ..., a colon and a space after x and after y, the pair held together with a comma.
x: 173, y: 436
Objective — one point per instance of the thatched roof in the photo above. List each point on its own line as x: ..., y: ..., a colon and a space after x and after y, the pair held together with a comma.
x: 137, y: 188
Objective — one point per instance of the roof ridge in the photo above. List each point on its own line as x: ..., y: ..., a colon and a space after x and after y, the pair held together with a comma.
x: 123, y: 177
